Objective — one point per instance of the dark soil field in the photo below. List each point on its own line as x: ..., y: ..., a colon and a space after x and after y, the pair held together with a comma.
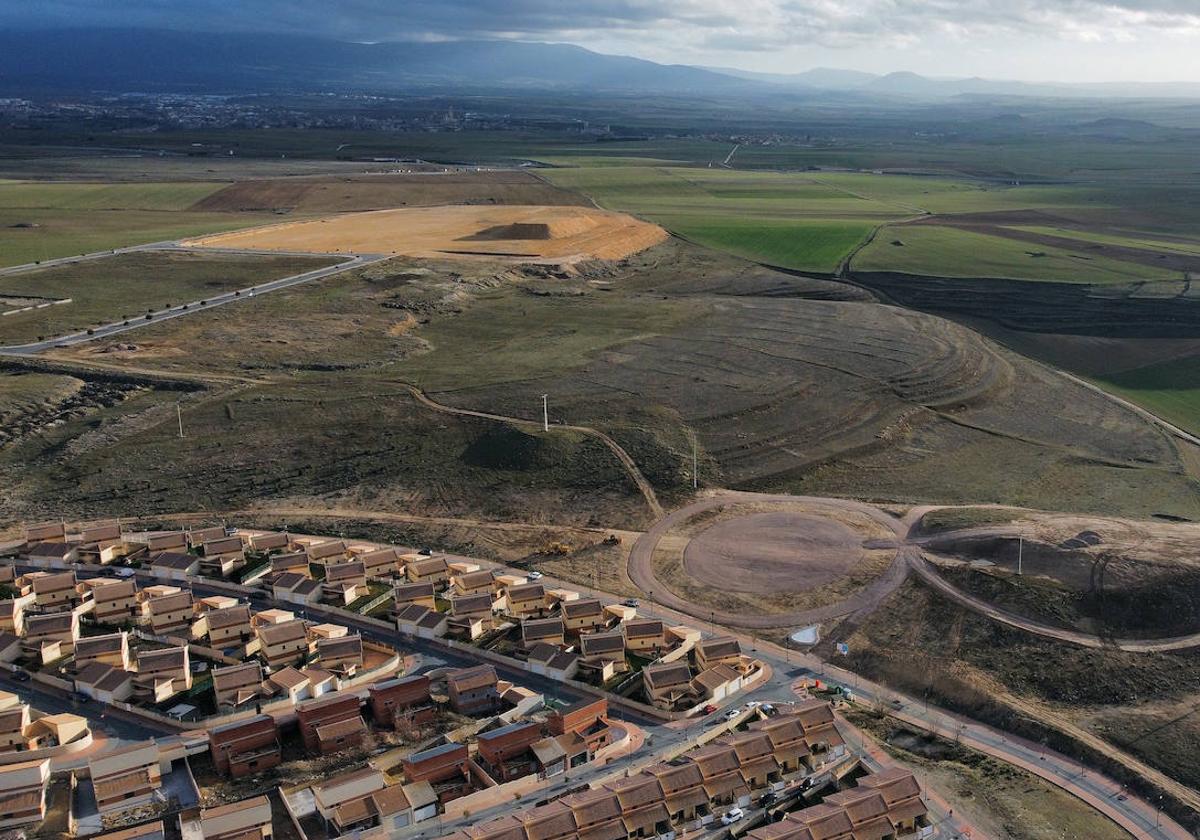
x: 384, y: 191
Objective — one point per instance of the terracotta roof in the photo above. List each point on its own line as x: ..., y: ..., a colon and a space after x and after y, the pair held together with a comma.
x: 37, y: 625
x: 582, y: 608
x: 326, y: 549
x: 54, y: 550
x: 545, y: 628
x: 643, y: 628
x: 288, y: 678
x: 114, y: 679
x: 288, y: 631
x: 462, y: 604
x: 594, y: 644
x: 379, y: 557
x: 466, y: 679
x: 293, y: 560
x: 53, y: 582
x: 720, y: 647
x: 473, y: 580
x: 169, y: 603
x: 667, y: 674
x: 712, y: 678
x: 162, y: 660
x: 636, y: 791
x: 341, y: 728
x: 343, y: 646
x: 593, y: 806
x: 428, y: 566
x: 288, y: 581
x: 98, y: 645
x: 228, y: 617
x: 676, y: 777
x: 339, y: 572
x: 407, y: 592
x: 237, y: 676
x: 227, y: 545
x: 173, y: 560
x: 114, y: 590
x: 527, y: 592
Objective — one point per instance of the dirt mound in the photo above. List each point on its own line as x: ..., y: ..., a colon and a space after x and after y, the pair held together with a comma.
x: 513, y: 234
x: 538, y: 231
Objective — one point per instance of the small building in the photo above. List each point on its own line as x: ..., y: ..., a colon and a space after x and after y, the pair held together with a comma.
x: 422, y: 622
x: 296, y: 588
x: 407, y: 698
x: 471, y: 615
x: 283, y: 644
x: 326, y: 553
x: 167, y: 614
x: 51, y: 552
x: 145, y: 831
x: 55, y: 592
x: 341, y: 655
x: 667, y: 684
x: 902, y: 794
x: 552, y: 661
x: 446, y: 767
x: 51, y: 636
x: 602, y: 655
x: 588, y: 719
x: 245, y: 747
x: 175, y: 565
x: 344, y: 583
x: 472, y: 691
x: 199, y: 536
x: 234, y: 686
x: 105, y: 683
x: 381, y: 563
x: 12, y: 613
x: 312, y: 715
x: 545, y: 630
x: 161, y: 674
x: 293, y: 684
x: 505, y: 752
x: 295, y: 562
x: 223, y: 556
x: 716, y: 683
x: 269, y: 541
x: 428, y: 570
x: 115, y: 602
x: 23, y: 792
x: 226, y: 627
x: 126, y: 778
x: 720, y: 650
x: 585, y: 615
x: 526, y: 601
x: 249, y: 819
x: 421, y: 594
x: 161, y: 541
x: 110, y: 649
x: 645, y: 636
x: 46, y: 531
x: 472, y: 583
x: 94, y: 533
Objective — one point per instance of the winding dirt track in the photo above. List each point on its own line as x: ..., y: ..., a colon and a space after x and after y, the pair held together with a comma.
x: 627, y: 462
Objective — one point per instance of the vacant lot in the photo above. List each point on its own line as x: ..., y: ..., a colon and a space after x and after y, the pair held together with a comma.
x: 127, y: 285
x: 385, y: 190
x: 954, y: 252
x: 1009, y: 803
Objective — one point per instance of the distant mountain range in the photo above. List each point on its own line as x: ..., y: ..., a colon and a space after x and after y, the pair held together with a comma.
x: 140, y: 60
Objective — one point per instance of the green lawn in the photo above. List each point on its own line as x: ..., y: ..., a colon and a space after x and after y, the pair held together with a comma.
x: 1169, y: 389
x: 951, y: 252
x: 126, y: 285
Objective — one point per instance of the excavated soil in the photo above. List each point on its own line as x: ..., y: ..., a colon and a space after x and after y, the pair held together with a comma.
x: 520, y: 234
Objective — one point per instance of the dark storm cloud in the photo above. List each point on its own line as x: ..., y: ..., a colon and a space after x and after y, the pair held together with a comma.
x: 716, y: 24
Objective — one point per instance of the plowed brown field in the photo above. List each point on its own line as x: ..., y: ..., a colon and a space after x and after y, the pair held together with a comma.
x: 522, y: 234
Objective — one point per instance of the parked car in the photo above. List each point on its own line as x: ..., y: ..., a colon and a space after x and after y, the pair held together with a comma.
x: 709, y: 709
x: 767, y: 799
x: 753, y: 704
x: 21, y: 676
x: 732, y: 714
x: 631, y: 602
x: 534, y: 576
x: 732, y: 815
x: 426, y: 552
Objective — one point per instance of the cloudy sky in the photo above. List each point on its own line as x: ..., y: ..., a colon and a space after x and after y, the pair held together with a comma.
x: 1059, y: 40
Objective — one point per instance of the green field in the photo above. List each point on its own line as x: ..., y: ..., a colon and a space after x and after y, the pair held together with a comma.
x: 42, y: 221
x: 127, y: 285
x: 951, y: 252
x: 1131, y: 240
x: 787, y: 220
x: 1170, y: 389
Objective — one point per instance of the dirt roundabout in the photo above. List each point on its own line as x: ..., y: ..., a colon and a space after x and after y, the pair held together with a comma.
x: 768, y: 553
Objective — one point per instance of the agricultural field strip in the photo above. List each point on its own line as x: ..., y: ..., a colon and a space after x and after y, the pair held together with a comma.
x: 117, y: 327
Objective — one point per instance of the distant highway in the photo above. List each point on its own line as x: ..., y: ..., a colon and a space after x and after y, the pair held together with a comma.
x: 117, y: 327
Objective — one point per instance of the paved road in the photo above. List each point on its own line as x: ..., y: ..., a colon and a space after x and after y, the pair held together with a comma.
x: 118, y: 327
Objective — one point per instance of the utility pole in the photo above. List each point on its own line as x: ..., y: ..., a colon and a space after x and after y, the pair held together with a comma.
x: 179, y: 417
x: 695, y: 464
x: 1020, y: 554
x: 545, y: 414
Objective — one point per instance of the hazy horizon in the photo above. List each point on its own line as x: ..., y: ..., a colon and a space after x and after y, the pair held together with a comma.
x: 1070, y: 41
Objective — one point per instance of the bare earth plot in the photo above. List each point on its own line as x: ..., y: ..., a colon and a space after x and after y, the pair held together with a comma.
x: 521, y: 233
